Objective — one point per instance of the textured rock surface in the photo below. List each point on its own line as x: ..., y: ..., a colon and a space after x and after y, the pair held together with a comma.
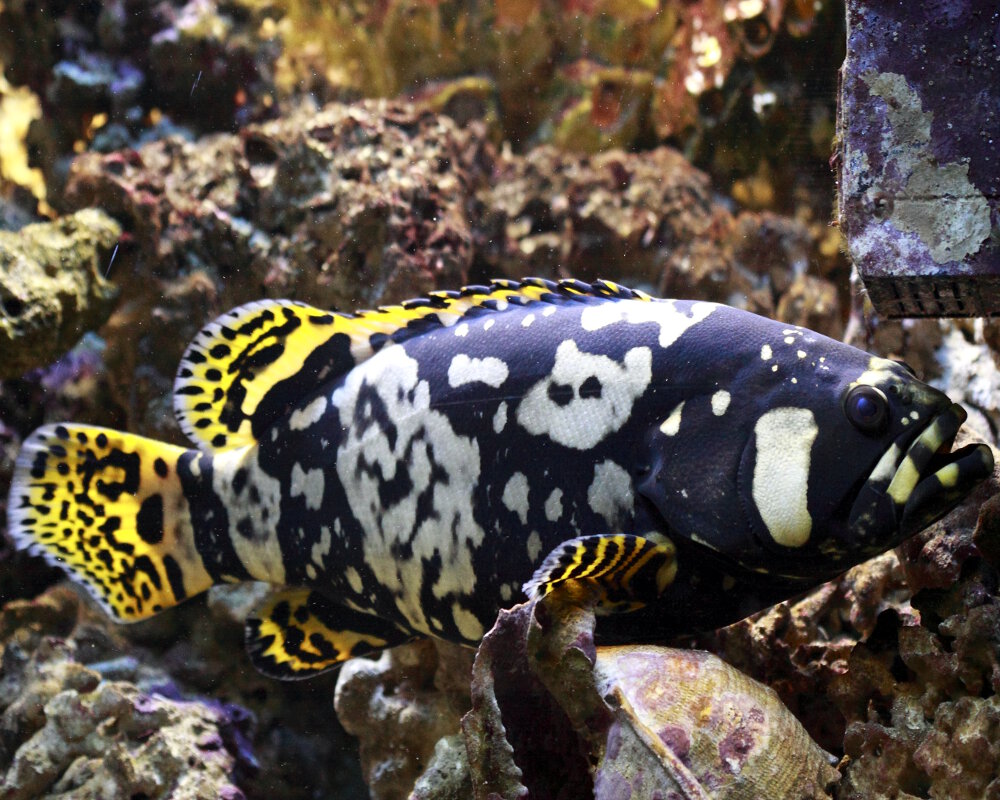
x: 399, y: 707
x: 586, y: 76
x: 182, y: 691
x: 73, y: 729
x: 113, y: 73
x: 52, y: 287
x: 447, y: 774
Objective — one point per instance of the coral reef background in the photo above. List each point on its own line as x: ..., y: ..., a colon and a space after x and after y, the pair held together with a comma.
x: 160, y: 163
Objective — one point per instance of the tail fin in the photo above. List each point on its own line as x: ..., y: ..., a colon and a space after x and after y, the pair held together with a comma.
x: 109, y: 508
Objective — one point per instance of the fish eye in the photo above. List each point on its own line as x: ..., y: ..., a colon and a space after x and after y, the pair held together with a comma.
x: 867, y: 409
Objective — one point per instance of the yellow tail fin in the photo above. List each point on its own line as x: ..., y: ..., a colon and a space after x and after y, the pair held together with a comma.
x: 108, y: 507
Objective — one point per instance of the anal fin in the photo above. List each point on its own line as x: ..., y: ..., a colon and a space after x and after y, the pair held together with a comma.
x: 625, y: 571
x: 299, y: 633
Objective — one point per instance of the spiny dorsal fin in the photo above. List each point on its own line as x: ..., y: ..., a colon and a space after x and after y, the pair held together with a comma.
x: 298, y: 633
x: 251, y: 366
x: 242, y: 370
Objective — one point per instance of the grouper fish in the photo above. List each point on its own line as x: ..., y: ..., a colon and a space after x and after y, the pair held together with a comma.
x: 410, y: 470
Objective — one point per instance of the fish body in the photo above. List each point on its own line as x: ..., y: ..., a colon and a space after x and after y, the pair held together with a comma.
x: 409, y: 471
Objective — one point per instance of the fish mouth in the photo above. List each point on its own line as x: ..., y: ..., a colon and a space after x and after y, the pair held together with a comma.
x: 912, y: 488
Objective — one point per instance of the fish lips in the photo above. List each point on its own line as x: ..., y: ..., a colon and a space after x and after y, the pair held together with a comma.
x: 914, y: 485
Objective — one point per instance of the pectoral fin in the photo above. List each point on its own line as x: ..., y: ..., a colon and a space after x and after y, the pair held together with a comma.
x: 626, y: 571
x: 298, y: 633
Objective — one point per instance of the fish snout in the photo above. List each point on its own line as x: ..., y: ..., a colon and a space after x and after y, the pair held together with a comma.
x: 913, y: 486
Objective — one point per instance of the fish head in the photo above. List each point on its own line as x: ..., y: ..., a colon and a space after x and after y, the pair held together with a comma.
x: 809, y: 477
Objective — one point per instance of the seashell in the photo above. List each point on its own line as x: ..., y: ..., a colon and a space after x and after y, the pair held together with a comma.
x: 717, y: 733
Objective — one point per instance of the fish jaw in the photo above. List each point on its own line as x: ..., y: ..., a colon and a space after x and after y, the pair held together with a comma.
x: 911, y: 488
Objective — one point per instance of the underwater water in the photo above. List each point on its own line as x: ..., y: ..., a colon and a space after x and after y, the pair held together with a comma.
x: 161, y: 164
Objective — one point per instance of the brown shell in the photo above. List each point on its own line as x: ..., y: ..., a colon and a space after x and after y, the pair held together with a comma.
x: 711, y: 726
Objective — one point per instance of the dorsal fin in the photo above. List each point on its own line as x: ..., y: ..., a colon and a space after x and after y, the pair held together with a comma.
x: 235, y: 374
x: 250, y: 366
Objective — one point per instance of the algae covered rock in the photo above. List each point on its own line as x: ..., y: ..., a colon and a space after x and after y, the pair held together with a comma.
x: 447, y: 774
x: 72, y: 729
x: 52, y: 287
x: 399, y: 706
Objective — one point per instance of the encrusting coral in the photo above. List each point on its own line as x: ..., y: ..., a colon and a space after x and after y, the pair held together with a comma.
x: 52, y: 287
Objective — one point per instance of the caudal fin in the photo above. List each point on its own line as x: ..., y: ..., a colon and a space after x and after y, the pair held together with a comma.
x: 108, y: 507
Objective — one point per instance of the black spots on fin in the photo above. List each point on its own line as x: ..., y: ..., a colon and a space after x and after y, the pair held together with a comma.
x: 116, y: 462
x: 324, y: 363
x: 149, y: 519
x: 246, y: 365
x: 281, y: 614
x: 175, y: 577
x: 255, y: 323
x: 297, y: 633
x: 144, y: 565
x: 249, y: 363
x: 99, y: 509
x: 260, y: 344
x: 110, y: 525
x: 603, y: 288
x: 540, y: 283
x: 573, y: 286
